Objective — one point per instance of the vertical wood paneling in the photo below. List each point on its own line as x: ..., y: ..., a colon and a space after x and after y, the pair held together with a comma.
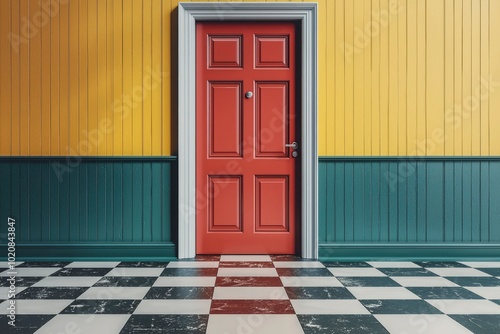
x: 494, y: 76
x: 45, y: 81
x: 408, y: 201
x: 137, y: 92
x: 339, y: 133
x: 394, y: 77
x: 92, y: 201
x: 15, y: 94
x: 156, y: 92
x: 435, y: 66
x: 5, y: 79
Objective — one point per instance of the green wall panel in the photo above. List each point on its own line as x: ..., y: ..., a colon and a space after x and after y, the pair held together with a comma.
x: 404, y: 200
x: 87, y: 202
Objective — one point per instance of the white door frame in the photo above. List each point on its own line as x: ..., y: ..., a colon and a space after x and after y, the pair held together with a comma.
x: 306, y: 14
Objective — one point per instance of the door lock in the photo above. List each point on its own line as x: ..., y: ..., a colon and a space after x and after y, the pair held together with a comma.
x: 248, y: 94
x: 293, y: 145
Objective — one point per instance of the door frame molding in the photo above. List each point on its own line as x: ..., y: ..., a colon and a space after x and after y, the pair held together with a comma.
x: 307, y: 15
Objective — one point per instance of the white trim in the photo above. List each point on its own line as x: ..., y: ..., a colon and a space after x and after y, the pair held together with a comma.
x: 306, y: 14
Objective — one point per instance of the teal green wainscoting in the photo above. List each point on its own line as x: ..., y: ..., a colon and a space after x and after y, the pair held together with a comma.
x: 90, y: 207
x: 412, y: 208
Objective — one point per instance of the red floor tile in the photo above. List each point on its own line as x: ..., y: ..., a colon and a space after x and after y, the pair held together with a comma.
x: 220, y: 306
x: 237, y: 264
x: 248, y: 281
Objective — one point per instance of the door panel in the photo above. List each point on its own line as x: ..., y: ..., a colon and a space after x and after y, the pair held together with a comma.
x: 271, y: 112
x: 225, y: 203
x: 271, y: 51
x: 225, y: 119
x: 272, y: 204
x: 225, y: 51
x: 246, y: 177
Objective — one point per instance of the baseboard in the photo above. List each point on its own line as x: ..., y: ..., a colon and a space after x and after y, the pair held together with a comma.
x: 95, y: 252
x: 420, y: 252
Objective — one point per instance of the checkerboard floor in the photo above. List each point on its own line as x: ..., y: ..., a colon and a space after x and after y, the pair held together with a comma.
x: 254, y: 294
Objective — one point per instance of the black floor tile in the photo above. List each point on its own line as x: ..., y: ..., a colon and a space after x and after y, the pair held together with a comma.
x: 347, y: 264
x: 318, y: 293
x: 181, y: 292
x: 332, y: 324
x: 25, y: 324
x: 435, y: 264
x: 480, y: 323
x: 496, y: 301
x: 443, y: 293
x: 143, y: 264
x: 21, y: 281
x: 51, y: 293
x: 491, y: 271
x: 190, y: 272
x: 175, y: 323
x: 307, y: 272
x: 406, y: 272
x: 126, y: 281
x: 368, y: 281
x: 82, y: 272
x: 109, y: 306
x: 475, y: 281
x: 43, y: 264
x: 390, y: 306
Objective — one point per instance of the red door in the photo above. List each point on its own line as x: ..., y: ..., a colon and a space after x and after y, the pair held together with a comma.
x: 246, y: 115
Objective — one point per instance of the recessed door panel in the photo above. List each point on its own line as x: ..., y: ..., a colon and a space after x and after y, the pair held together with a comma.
x: 224, y: 51
x: 271, y: 119
x: 246, y: 176
x: 271, y: 51
x: 225, y: 203
x: 271, y: 203
x: 225, y: 119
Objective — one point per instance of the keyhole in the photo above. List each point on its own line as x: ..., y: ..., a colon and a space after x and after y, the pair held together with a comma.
x: 248, y: 94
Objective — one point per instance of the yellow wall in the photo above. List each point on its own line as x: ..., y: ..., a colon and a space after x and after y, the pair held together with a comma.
x: 419, y: 85
x: 425, y: 82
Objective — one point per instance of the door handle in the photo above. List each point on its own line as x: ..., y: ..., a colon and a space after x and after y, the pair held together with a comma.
x: 293, y: 145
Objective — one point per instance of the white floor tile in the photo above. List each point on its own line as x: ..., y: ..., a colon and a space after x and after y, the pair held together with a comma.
x: 484, y: 264
x: 382, y: 293
x: 185, y: 281
x: 31, y: 272
x: 423, y: 281
x: 298, y: 264
x: 247, y: 272
x: 37, y: 306
x: 65, y: 281
x: 4, y: 291
x: 93, y: 264
x: 310, y: 281
x: 420, y: 324
x: 322, y: 306
x: 246, y: 258
x: 249, y: 293
x: 253, y: 323
x: 191, y: 306
x: 5, y: 264
x: 456, y: 272
x: 486, y: 291
x: 193, y: 264
x: 115, y: 292
x: 85, y: 323
x: 135, y: 272
x: 356, y: 272
x: 465, y: 306
x: 393, y: 264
